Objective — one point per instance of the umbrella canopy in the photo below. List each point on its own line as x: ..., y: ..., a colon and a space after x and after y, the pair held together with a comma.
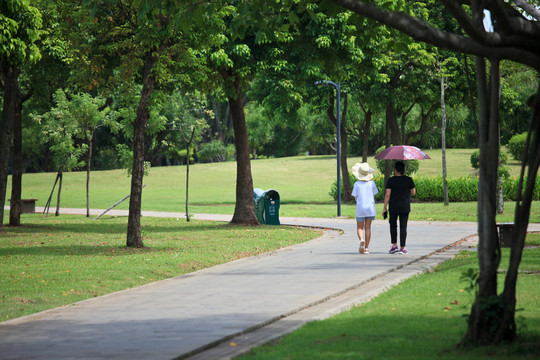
x: 402, y: 152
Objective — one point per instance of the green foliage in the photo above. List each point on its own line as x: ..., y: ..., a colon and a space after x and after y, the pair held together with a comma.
x: 475, y: 159
x: 502, y: 171
x: 20, y: 29
x: 214, y: 151
x: 73, y: 118
x: 125, y: 156
x: 516, y: 146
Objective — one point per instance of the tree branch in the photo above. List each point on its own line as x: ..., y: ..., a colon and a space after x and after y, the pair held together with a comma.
x: 421, y: 31
x: 529, y: 9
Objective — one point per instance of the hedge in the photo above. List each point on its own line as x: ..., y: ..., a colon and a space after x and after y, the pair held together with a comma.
x: 459, y: 189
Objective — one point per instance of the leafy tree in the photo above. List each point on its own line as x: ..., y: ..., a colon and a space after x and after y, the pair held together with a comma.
x: 189, y: 120
x: 514, y: 37
x: 61, y: 130
x: 141, y: 42
x: 20, y: 25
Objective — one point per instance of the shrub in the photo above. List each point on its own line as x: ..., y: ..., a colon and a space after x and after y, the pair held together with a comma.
x: 213, y: 151
x: 379, y: 182
x: 475, y: 158
x: 460, y: 189
x: 502, y: 171
x: 516, y: 146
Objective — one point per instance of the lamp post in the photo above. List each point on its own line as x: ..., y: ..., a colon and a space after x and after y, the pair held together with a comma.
x: 338, y: 140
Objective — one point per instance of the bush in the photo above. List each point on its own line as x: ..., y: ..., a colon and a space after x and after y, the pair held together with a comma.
x: 213, y: 151
x: 411, y: 166
x: 379, y: 182
x: 460, y: 189
x: 502, y: 171
x: 516, y: 146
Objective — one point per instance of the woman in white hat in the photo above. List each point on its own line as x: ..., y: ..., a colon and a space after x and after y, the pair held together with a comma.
x: 364, y: 191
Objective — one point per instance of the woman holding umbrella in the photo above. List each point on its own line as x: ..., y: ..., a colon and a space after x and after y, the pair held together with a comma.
x: 398, y: 192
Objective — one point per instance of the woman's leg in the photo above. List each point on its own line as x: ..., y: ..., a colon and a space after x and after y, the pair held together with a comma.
x: 360, y: 232
x: 403, y: 218
x: 367, y: 231
x: 393, y: 228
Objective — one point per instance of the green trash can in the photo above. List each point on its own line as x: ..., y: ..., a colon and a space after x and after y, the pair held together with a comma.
x: 258, y: 200
x: 271, y: 207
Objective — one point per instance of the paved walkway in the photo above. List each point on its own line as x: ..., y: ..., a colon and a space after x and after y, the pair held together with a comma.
x: 223, y: 311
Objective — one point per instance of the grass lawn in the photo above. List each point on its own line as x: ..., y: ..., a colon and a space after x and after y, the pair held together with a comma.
x: 303, y: 183
x: 50, y: 262
x: 421, y: 318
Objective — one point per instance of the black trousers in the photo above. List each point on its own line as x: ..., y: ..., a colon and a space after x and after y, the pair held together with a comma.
x: 403, y: 219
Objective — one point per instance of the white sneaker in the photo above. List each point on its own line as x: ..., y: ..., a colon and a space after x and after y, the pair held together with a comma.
x: 362, y: 248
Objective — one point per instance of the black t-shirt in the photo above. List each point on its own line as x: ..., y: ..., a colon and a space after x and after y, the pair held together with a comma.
x: 400, y: 196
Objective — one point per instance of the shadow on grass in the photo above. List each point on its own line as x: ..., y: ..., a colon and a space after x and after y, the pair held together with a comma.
x: 106, y: 227
x: 394, y: 337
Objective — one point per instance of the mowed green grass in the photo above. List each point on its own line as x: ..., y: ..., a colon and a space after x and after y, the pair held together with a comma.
x: 53, y: 261
x: 303, y: 183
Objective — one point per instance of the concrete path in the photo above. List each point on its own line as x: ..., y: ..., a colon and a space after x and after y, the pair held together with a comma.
x: 223, y: 311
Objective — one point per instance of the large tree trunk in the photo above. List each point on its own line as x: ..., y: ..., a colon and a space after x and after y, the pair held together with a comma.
x: 443, y: 141
x: 16, y: 178
x: 347, y: 191
x: 59, y: 194
x: 365, y: 136
x: 88, y: 169
x: 486, y: 313
x: 392, y: 124
x: 10, y: 75
x: 134, y: 238
x: 244, y: 211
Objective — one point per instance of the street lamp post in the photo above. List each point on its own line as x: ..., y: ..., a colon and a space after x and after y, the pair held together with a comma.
x: 338, y: 140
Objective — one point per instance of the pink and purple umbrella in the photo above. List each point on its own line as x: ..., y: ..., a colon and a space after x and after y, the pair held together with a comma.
x: 402, y: 152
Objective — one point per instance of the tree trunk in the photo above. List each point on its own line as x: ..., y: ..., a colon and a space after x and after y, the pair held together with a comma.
x: 347, y: 188
x: 500, y: 195
x: 392, y: 124
x: 487, y: 308
x: 10, y: 75
x: 134, y: 238
x: 16, y: 178
x: 60, y: 176
x: 365, y: 136
x: 244, y: 210
x: 388, y: 142
x: 471, y: 96
x: 188, y: 148
x: 347, y: 191
x: 443, y: 141
x: 88, y: 168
